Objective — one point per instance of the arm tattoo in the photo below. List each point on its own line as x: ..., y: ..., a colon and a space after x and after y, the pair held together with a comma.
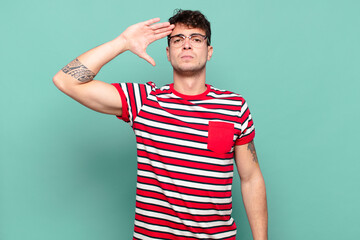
x: 77, y: 70
x: 251, y: 147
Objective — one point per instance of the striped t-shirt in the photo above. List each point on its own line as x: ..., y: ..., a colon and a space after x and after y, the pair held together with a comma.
x: 185, y: 148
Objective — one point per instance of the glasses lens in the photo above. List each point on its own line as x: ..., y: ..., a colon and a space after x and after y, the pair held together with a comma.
x: 197, y: 40
x: 177, y: 41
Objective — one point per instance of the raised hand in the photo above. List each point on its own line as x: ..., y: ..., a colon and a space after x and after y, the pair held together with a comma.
x: 138, y: 36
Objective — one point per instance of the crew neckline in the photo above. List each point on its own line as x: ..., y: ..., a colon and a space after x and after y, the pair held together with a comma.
x: 190, y: 97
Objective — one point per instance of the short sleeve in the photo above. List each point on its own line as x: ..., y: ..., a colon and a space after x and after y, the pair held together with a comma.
x: 133, y: 96
x: 247, y: 126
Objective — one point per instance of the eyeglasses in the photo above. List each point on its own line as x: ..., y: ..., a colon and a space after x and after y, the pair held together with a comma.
x: 196, y: 40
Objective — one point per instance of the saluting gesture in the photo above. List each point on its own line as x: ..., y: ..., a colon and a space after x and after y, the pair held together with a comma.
x: 138, y: 36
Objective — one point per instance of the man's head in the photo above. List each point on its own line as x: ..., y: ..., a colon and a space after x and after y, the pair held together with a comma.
x: 189, y: 43
x: 192, y: 19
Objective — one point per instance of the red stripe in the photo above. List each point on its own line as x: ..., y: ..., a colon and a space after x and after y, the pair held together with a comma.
x: 124, y: 104
x: 246, y: 139
x: 187, y: 216
x: 182, y: 203
x: 142, y: 90
x: 160, y: 235
x: 186, y: 177
x: 172, y: 134
x: 132, y: 99
x: 181, y: 149
x: 185, y: 163
x: 165, y: 223
x: 185, y: 190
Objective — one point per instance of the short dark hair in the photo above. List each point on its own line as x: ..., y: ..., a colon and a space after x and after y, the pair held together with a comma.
x: 193, y: 19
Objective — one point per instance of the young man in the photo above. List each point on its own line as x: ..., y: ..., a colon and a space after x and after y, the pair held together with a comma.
x: 187, y: 133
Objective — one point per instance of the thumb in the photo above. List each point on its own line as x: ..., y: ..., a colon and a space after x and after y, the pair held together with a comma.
x: 148, y: 59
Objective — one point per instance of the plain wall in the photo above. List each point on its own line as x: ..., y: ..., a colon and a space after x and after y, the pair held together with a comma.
x: 67, y: 172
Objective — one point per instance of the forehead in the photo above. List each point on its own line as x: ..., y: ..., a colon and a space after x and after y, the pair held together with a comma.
x: 185, y: 30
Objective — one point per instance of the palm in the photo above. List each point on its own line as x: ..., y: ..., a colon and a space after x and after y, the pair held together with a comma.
x: 139, y: 36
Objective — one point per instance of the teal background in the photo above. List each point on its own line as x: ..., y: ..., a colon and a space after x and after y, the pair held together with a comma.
x: 67, y: 172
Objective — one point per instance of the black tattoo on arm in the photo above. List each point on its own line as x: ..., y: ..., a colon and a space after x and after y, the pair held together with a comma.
x: 251, y: 147
x: 77, y: 70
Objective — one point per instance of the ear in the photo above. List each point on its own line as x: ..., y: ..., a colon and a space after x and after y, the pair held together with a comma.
x: 210, y: 52
x: 168, y: 53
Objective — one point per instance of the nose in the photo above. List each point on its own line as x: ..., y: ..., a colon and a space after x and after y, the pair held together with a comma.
x: 187, y: 43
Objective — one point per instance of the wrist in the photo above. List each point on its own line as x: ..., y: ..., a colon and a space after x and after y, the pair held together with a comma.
x: 120, y: 44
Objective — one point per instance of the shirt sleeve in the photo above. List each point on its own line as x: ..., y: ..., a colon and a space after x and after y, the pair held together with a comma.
x: 133, y: 96
x: 247, y: 126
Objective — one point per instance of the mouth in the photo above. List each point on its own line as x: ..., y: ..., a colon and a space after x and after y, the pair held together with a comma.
x: 187, y: 57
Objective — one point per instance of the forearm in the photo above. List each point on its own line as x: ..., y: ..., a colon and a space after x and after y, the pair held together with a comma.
x: 97, y: 57
x: 254, y: 198
x: 85, y: 67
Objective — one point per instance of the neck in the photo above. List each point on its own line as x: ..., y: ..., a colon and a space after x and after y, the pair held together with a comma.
x: 190, y: 83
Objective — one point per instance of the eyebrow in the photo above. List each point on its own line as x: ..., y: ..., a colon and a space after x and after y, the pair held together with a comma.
x: 180, y: 34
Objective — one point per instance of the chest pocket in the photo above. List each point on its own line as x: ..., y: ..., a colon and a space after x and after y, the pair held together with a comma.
x: 220, y: 138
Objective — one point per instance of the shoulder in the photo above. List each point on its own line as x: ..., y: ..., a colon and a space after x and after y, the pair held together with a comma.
x: 236, y: 98
x: 158, y: 91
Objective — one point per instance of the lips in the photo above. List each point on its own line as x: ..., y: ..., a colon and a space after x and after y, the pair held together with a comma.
x: 187, y: 57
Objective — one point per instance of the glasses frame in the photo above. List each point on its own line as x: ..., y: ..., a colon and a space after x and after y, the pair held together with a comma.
x: 191, y: 35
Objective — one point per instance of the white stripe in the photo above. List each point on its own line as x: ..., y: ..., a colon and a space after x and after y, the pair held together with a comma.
x: 195, y: 108
x: 170, y: 127
x: 183, y: 209
x: 165, y: 87
x: 184, y: 197
x: 247, y: 132
x: 212, y: 94
x: 171, y: 140
x: 137, y: 97
x: 184, y: 233
x: 185, y: 222
x: 143, y: 237
x: 178, y: 182
x: 166, y: 95
x: 164, y: 113
x: 186, y: 170
x: 190, y: 120
x: 172, y: 154
x: 125, y: 90
x: 243, y: 109
x: 234, y: 103
x: 245, y: 124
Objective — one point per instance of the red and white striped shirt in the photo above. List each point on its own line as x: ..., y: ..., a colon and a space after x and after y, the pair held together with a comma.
x: 185, y: 148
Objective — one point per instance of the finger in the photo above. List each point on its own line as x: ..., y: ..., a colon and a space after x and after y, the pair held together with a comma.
x: 160, y: 25
x: 151, y: 21
x: 148, y: 59
x: 162, y: 35
x: 169, y: 28
x: 163, y: 30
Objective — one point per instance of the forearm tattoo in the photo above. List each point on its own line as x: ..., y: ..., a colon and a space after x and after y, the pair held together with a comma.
x: 77, y: 70
x: 251, y: 147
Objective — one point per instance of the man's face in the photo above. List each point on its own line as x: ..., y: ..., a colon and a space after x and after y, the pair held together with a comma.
x: 187, y: 58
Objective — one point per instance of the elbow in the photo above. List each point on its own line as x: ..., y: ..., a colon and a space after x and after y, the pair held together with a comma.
x: 57, y: 81
x: 253, y: 178
x: 60, y: 82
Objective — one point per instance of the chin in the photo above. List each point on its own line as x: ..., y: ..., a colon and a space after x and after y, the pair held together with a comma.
x: 189, y: 68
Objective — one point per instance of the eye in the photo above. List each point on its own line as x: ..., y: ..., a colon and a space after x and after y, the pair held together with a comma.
x: 197, y: 38
x: 176, y: 40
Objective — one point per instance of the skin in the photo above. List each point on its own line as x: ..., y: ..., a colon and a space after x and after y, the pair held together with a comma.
x: 252, y: 189
x: 189, y: 73
x: 188, y: 62
x: 100, y: 96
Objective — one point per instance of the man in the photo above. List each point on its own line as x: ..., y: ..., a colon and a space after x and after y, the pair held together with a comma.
x: 187, y: 133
